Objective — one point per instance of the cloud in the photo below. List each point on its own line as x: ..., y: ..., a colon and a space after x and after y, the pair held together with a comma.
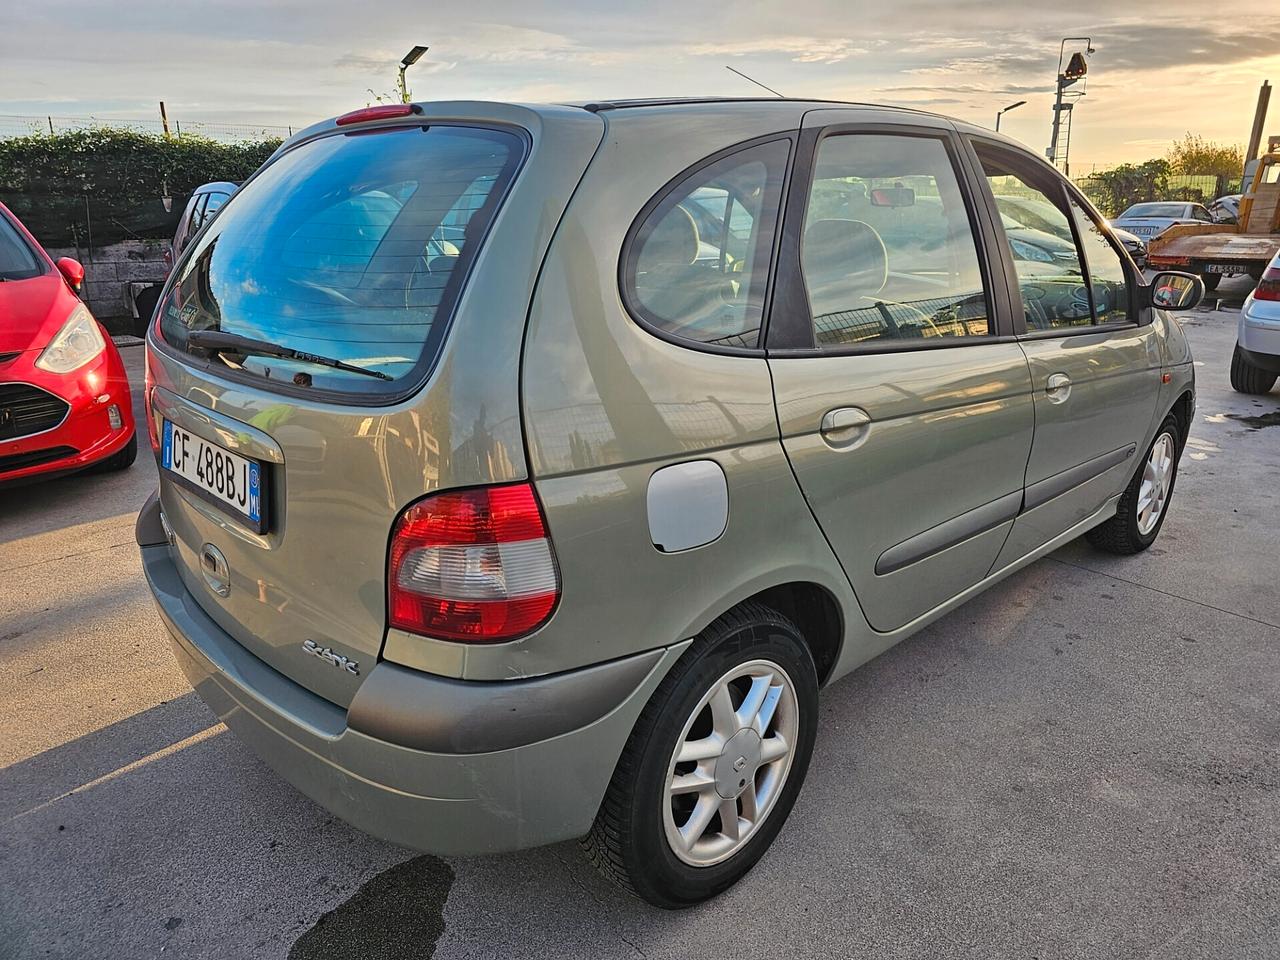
x: 797, y: 49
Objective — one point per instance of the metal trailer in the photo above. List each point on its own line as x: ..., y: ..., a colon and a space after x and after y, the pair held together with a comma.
x: 1217, y: 249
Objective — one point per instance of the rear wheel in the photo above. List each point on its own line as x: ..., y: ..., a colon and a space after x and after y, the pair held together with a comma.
x: 1246, y: 378
x: 714, y: 764
x: 1145, y: 502
x: 1211, y: 281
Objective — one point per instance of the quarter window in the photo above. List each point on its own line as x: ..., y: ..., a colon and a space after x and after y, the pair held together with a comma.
x: 888, y: 251
x: 699, y: 260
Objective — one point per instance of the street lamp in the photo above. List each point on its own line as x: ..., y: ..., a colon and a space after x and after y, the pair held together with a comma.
x: 410, y: 58
x: 1012, y: 106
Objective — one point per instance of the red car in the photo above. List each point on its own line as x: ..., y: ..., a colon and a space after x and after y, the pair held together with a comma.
x: 64, y: 394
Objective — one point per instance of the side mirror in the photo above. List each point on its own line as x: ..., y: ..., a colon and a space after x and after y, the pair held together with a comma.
x: 1176, y: 291
x: 72, y: 272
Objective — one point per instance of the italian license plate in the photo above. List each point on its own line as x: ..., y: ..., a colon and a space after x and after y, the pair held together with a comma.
x: 234, y: 483
x: 1219, y: 268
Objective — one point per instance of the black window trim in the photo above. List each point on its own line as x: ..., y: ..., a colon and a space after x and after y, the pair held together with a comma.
x: 1040, y: 173
x: 630, y: 251
x: 432, y: 347
x: 790, y: 320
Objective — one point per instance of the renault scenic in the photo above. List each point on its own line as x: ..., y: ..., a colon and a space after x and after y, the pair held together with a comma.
x: 526, y: 471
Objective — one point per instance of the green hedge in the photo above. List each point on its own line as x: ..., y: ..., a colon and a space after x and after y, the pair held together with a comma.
x: 105, y: 185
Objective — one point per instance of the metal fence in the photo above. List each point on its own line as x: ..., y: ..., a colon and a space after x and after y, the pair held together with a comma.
x: 14, y: 125
x: 1112, y: 197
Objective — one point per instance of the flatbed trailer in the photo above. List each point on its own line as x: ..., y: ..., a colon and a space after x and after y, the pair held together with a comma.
x: 1214, y: 250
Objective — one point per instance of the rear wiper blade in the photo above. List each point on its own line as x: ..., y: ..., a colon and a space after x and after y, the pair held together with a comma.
x: 217, y: 341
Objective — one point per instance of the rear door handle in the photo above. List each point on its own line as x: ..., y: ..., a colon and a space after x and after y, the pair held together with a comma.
x: 845, y: 427
x: 1057, y: 387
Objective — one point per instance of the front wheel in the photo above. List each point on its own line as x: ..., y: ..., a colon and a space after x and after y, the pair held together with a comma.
x: 1246, y: 378
x: 1145, y: 502
x: 714, y: 763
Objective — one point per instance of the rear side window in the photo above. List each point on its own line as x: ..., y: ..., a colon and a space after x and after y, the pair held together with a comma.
x: 353, y: 247
x: 888, y: 251
x: 697, y: 264
x: 17, y: 260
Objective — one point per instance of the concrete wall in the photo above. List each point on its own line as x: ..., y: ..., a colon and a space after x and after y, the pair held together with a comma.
x: 111, y: 269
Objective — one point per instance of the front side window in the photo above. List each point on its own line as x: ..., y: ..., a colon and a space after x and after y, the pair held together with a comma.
x: 1108, y: 279
x: 698, y: 262
x: 351, y: 247
x: 1051, y: 276
x: 888, y: 252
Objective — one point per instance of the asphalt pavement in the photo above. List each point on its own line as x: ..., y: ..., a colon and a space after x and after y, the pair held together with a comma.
x: 1083, y: 762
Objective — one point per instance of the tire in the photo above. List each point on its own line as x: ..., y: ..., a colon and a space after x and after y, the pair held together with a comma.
x: 1211, y: 281
x: 1127, y: 532
x: 122, y: 459
x: 1246, y: 378
x: 636, y: 832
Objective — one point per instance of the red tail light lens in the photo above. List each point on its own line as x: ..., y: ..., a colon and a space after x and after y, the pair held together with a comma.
x: 473, y: 565
x: 1269, y: 285
x: 381, y: 112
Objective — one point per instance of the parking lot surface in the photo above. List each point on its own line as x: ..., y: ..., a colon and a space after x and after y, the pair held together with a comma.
x: 1082, y: 762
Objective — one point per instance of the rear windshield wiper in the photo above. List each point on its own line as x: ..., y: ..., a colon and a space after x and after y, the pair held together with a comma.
x: 219, y: 342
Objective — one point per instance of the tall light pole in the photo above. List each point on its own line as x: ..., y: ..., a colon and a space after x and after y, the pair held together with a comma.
x: 1076, y: 69
x: 410, y: 58
x: 1012, y: 106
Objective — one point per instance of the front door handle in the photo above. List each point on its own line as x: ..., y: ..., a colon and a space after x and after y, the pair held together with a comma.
x: 1057, y: 387
x: 845, y: 427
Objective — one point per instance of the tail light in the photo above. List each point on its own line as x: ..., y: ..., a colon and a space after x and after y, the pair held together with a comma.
x: 472, y: 565
x: 1269, y: 285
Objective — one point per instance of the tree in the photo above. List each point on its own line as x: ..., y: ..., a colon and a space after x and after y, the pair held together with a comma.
x: 1193, y: 155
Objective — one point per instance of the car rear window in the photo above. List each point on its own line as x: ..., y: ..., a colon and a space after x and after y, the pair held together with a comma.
x: 1155, y: 210
x: 353, y: 247
x: 17, y: 260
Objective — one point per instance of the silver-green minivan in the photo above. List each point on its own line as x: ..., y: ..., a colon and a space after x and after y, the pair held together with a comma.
x: 526, y: 470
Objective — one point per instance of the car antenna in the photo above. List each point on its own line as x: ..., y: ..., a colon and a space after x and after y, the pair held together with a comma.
x: 754, y: 80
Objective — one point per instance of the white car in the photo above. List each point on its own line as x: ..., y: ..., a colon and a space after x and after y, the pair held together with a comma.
x: 1256, y: 361
x: 1153, y: 218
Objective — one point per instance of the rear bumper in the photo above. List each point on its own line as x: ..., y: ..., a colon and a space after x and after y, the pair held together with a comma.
x: 446, y: 799
x: 1259, y: 336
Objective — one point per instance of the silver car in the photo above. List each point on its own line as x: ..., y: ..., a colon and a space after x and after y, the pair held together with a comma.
x: 525, y: 472
x: 1255, y: 363
x: 1148, y: 220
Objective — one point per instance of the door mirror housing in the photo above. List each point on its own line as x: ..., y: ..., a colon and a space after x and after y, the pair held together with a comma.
x: 72, y: 272
x: 1171, y: 290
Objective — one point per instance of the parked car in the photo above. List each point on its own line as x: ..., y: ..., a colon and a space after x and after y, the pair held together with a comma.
x: 1226, y: 209
x: 1134, y: 244
x: 204, y: 202
x: 1151, y: 219
x: 64, y: 394
x: 1255, y: 364
x: 678, y: 494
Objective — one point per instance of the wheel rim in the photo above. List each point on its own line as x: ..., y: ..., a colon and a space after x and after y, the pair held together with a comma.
x: 730, y: 763
x: 1157, y: 479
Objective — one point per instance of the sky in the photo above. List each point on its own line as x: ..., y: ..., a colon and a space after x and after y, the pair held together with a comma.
x: 1159, y: 70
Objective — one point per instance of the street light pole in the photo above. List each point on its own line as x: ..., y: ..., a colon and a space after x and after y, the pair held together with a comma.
x: 1012, y: 106
x: 410, y: 58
